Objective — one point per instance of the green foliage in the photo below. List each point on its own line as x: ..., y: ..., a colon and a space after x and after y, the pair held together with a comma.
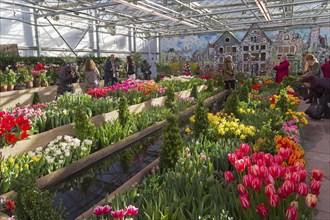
x: 84, y: 128
x: 194, y: 92
x: 210, y: 85
x: 170, y: 99
x: 36, y: 98
x: 232, y: 103
x: 31, y: 203
x: 172, y: 143
x: 125, y: 115
x: 244, y: 92
x: 202, y: 123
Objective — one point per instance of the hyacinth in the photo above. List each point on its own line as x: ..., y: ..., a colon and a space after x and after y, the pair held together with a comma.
x: 290, y: 129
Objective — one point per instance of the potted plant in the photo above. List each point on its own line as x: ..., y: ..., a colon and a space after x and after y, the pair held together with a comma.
x: 25, y: 76
x: 3, y: 82
x: 11, y: 78
x: 43, y: 79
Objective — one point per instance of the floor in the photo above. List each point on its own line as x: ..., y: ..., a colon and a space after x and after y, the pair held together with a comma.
x: 316, y: 143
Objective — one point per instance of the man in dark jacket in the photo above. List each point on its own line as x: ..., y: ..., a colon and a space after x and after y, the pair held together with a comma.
x: 319, y: 88
x: 111, y: 68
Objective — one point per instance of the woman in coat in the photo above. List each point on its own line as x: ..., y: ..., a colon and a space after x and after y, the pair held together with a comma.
x: 67, y: 77
x: 282, y: 70
x: 229, y: 73
x: 92, y: 74
x: 130, y: 68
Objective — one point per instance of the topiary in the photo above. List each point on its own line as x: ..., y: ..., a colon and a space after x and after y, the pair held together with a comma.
x: 125, y: 115
x: 170, y: 98
x: 36, y: 98
x: 194, y: 92
x: 172, y: 143
x: 244, y: 93
x: 84, y: 128
x: 202, y: 123
x: 232, y: 103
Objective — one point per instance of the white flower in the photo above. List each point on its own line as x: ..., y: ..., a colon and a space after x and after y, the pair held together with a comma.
x: 83, y: 148
x: 51, y: 143
x: 60, y: 161
x: 31, y: 154
x: 39, y: 149
x: 88, y: 142
x: 58, y: 152
x: 67, y: 153
x: 59, y: 137
x: 67, y: 138
x: 76, y: 142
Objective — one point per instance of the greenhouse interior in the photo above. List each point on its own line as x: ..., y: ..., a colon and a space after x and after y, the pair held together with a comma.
x: 164, y: 109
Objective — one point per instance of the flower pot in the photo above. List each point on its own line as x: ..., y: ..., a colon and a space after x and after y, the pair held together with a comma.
x: 29, y: 84
x: 36, y: 84
x: 10, y: 87
x: 3, y: 88
x: 44, y: 84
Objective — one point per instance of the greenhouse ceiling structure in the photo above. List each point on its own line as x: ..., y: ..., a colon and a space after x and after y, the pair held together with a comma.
x: 173, y: 17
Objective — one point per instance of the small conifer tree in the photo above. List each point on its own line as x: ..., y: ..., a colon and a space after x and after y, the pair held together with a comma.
x: 125, y: 115
x: 202, y: 123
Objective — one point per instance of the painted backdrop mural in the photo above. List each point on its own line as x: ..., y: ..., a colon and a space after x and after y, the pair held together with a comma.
x: 254, y: 51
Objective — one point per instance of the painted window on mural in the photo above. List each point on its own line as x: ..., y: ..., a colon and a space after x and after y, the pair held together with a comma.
x: 263, y: 56
x: 221, y: 50
x: 262, y: 66
x: 252, y: 48
x: 227, y: 39
x: 257, y: 47
x: 286, y: 37
x: 246, y: 57
x: 292, y: 49
x: 246, y: 67
x: 234, y: 49
x: 246, y: 48
x: 254, y: 39
x: 286, y: 49
x: 280, y: 50
x: 255, y: 56
x: 228, y: 49
x: 263, y: 47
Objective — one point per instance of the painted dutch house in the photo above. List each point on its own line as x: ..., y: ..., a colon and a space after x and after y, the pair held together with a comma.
x: 317, y: 44
x: 290, y: 44
x: 255, y: 52
x: 227, y: 44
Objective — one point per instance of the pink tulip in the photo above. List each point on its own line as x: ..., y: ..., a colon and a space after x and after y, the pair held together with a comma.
x: 269, y: 179
x: 284, y: 152
x: 311, y: 200
x: 239, y: 165
x: 229, y: 176
x: 247, y: 161
x: 247, y: 180
x: 239, y: 154
x: 296, y: 177
x: 291, y: 213
x: 261, y: 162
x: 275, y: 171
x: 263, y: 171
x: 278, y: 159
x: 118, y: 214
x: 241, y: 189
x: 106, y: 209
x: 232, y: 158
x: 302, y: 189
x: 274, y: 200
x: 261, y: 155
x: 303, y: 175
x: 317, y: 175
x: 269, y: 159
x: 263, y: 210
x: 282, y: 193
x: 254, y: 170
x: 315, y: 186
x: 254, y: 158
x: 245, y: 148
x: 289, y: 186
x: 298, y: 165
x: 98, y: 210
x: 256, y: 183
x: 132, y: 210
x: 245, y: 201
x: 269, y: 190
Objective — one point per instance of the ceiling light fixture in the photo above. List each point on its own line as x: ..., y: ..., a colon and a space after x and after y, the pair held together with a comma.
x: 139, y: 7
x: 264, y: 10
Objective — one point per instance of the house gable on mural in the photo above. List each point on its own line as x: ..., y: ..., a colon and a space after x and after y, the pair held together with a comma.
x: 227, y: 44
x: 255, y: 52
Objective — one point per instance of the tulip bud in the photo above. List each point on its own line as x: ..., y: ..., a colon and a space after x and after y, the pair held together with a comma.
x: 241, y: 189
x: 315, y: 186
x: 269, y: 190
x: 303, y: 175
x: 245, y: 148
x: 274, y: 200
x: 282, y: 193
x: 289, y: 186
x: 284, y: 152
x: 263, y: 171
x: 256, y: 183
x: 291, y: 213
x: 278, y: 159
x: 269, y: 159
x: 302, y: 189
x: 238, y: 153
x: 229, y: 176
x: 232, y: 158
x: 311, y: 200
x: 254, y: 170
x: 245, y: 201
x: 239, y: 165
x: 262, y: 209
x: 247, y: 180
x: 269, y: 179
x: 317, y: 175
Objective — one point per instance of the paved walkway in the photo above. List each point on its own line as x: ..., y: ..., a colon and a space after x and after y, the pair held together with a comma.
x: 316, y: 143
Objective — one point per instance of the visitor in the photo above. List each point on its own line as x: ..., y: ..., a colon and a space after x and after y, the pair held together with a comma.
x: 68, y: 75
x: 92, y: 74
x: 319, y: 88
x: 313, y: 66
x: 186, y: 68
x: 282, y: 70
x: 111, y: 68
x: 229, y: 73
x: 326, y: 68
x: 145, y: 69
x: 130, y: 68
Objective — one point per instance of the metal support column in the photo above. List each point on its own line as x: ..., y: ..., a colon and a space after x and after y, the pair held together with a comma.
x: 98, y: 53
x: 134, y: 40
x: 158, y: 47
x: 36, y: 31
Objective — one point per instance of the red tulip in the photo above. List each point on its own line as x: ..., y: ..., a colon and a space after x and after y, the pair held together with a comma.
x: 261, y: 155
x: 274, y: 200
x: 10, y: 205
x: 254, y: 170
x: 247, y: 180
x: 98, y: 210
x: 239, y: 165
x: 241, y: 189
x: 291, y: 213
x: 131, y: 210
x: 229, y: 176
x: 298, y: 165
x: 284, y: 152
x: 245, y: 148
x: 262, y: 209
x: 311, y: 200
x: 269, y: 159
x: 261, y: 162
x: 239, y: 154
x: 118, y: 214
x: 282, y: 193
x: 317, y: 175
x: 296, y: 177
x: 232, y: 158
x: 315, y: 186
x: 269, y: 190
x: 245, y: 201
x: 247, y: 161
x: 302, y: 189
x: 278, y: 159
x: 269, y: 179
x: 256, y: 183
x: 289, y: 186
x: 106, y: 209
x: 263, y: 171
x: 275, y: 170
x: 254, y: 158
x: 303, y: 175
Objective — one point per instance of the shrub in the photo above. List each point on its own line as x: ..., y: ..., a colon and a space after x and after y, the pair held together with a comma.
x: 232, y: 103
x: 201, y: 124
x: 84, y: 128
x: 125, y: 115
